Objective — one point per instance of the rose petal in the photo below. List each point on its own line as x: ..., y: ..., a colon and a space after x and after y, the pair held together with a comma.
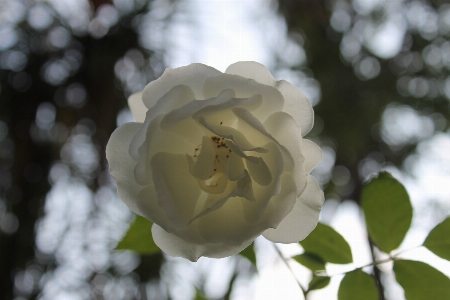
x: 252, y: 70
x: 288, y: 133
x: 176, y: 97
x: 295, y: 102
x: 121, y: 165
x: 257, y: 134
x: 174, y: 246
x: 259, y: 171
x: 188, y: 110
x: 226, y: 224
x: 178, y: 191
x: 312, y: 153
x: 288, y: 138
x: 229, y: 133
x: 193, y: 75
x: 244, y: 187
x: 279, y: 206
x: 203, y: 167
x: 217, y: 185
x: 147, y: 202
x: 251, y: 103
x: 297, y: 105
x: 137, y: 107
x: 157, y: 140
x: 235, y: 167
x: 272, y: 99
x: 303, y: 218
x: 274, y: 162
x: 214, y: 205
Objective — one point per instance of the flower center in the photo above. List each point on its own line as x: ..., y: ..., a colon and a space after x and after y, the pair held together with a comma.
x: 222, y: 153
x: 210, y: 163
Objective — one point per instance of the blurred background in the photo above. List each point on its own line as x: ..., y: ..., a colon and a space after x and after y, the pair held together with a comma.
x: 376, y: 71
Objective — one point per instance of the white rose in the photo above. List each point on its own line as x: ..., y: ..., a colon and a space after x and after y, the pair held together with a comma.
x: 216, y: 159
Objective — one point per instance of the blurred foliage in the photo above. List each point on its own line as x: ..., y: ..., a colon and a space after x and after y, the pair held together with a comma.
x: 249, y: 253
x: 139, y: 238
x: 419, y: 280
x: 59, y: 101
x: 374, y: 60
x: 383, y: 70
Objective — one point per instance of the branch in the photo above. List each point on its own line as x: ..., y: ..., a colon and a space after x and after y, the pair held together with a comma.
x: 290, y: 269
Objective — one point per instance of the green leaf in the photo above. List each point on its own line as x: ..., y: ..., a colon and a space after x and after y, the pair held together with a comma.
x: 420, y: 281
x: 318, y: 282
x: 438, y: 240
x: 139, y: 238
x: 358, y: 285
x: 388, y: 211
x: 249, y: 253
x: 199, y: 296
x: 328, y: 244
x: 311, y: 261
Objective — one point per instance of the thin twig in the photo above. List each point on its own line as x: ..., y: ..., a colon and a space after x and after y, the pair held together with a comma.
x: 290, y: 269
x: 376, y: 271
x: 374, y: 263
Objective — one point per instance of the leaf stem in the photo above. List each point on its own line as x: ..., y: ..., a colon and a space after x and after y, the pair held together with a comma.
x: 374, y: 263
x: 376, y: 271
x: 286, y: 262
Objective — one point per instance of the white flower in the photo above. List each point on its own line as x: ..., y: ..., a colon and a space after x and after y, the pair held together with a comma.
x: 216, y: 159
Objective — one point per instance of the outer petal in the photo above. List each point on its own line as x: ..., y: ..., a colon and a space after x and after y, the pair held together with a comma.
x: 295, y: 102
x: 176, y: 97
x: 252, y: 70
x: 284, y: 128
x: 297, y: 105
x: 312, y: 153
x: 147, y: 202
x: 178, y: 191
x: 280, y: 205
x: 272, y: 99
x: 193, y: 75
x: 303, y: 218
x: 121, y: 165
x: 137, y: 107
x: 157, y: 140
x: 174, y: 246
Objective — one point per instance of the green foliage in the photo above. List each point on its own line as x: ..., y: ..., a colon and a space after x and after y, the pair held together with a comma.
x: 358, y: 285
x: 318, y: 282
x: 249, y: 253
x: 139, y: 238
x: 328, y: 244
x: 420, y: 281
x: 438, y: 240
x: 311, y: 261
x: 388, y: 211
x: 199, y: 296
